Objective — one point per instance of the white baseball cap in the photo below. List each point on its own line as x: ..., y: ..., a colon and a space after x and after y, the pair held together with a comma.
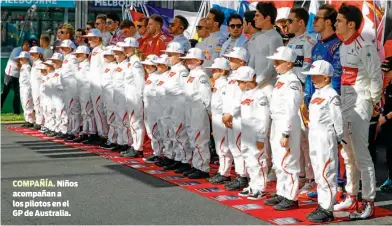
x: 320, y: 67
x: 48, y: 62
x: 174, y: 47
x: 57, y: 56
x: 130, y: 42
x: 93, y: 33
x: 23, y: 54
x: 244, y: 73
x: 117, y: 48
x: 108, y: 51
x: 82, y: 49
x: 220, y: 63
x: 42, y: 67
x: 194, y: 53
x: 238, y: 53
x: 67, y: 43
x: 36, y: 49
x: 150, y: 60
x: 283, y: 53
x: 163, y: 59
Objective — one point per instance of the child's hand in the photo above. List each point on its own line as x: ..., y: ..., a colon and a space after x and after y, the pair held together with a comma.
x: 284, y: 142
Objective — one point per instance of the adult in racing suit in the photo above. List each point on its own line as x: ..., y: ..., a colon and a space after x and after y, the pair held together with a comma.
x: 361, y: 89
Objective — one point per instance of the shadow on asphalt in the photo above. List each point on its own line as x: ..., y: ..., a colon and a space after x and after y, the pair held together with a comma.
x: 140, y: 176
x: 60, y: 151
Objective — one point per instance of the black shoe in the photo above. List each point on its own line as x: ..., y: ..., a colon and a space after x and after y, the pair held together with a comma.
x: 121, y: 148
x: 59, y: 135
x: 320, y: 215
x: 102, y: 141
x: 92, y: 140
x: 286, y: 204
x: 36, y: 127
x: 24, y: 125
x: 52, y: 134
x: 116, y: 148
x: 70, y: 137
x: 164, y: 162
x: 64, y: 136
x: 81, y: 138
x: 184, y: 167
x: 108, y: 145
x: 218, y: 179
x: 152, y: 159
x: 132, y: 153
x: 198, y: 174
x: 173, y: 166
x: 29, y: 125
x: 237, y: 184
x: 273, y: 201
x: 188, y: 172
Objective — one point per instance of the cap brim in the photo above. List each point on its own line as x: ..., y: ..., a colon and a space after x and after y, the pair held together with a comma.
x: 91, y: 36
x: 165, y: 51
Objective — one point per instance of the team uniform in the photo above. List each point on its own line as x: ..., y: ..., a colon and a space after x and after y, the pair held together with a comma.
x: 255, y: 123
x: 285, y: 103
x: 325, y: 132
x: 361, y: 89
x: 35, y: 81
x: 183, y: 41
x: 212, y: 45
x: 231, y: 43
x: 198, y: 96
x: 86, y: 105
x: 302, y: 45
x: 25, y: 90
x: 259, y: 46
x: 155, y: 45
x: 58, y: 100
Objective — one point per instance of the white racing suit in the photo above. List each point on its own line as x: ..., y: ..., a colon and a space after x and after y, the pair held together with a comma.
x: 302, y: 45
x: 108, y: 97
x: 164, y: 120
x: 46, y: 101
x: 35, y: 81
x: 121, y: 121
x: 84, y: 90
x: 232, y: 106
x: 198, y: 96
x: 175, y: 110
x: 255, y: 121
x: 96, y: 71
x: 285, y: 103
x: 71, y: 95
x: 58, y: 100
x: 325, y: 130
x: 152, y: 112
x: 133, y: 90
x: 25, y: 92
x: 218, y: 127
x: 361, y: 89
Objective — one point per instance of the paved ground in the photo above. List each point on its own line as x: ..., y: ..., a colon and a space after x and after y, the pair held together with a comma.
x: 109, y: 193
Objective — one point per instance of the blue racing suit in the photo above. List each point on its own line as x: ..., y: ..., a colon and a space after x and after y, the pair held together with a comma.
x: 328, y: 50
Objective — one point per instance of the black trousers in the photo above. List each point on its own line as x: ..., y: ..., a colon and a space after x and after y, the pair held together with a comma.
x: 372, y: 139
x: 386, y: 133
x: 13, y: 83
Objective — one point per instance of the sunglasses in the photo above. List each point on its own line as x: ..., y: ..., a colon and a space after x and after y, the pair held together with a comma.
x: 109, y: 22
x: 97, y: 24
x: 233, y: 26
x: 199, y: 27
x: 139, y: 26
x: 172, y: 24
x: 316, y: 18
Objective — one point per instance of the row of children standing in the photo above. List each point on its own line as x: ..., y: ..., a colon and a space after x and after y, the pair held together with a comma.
x: 105, y: 92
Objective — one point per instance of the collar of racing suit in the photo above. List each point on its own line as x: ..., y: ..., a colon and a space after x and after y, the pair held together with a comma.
x: 329, y: 38
x: 352, y: 38
x: 324, y: 87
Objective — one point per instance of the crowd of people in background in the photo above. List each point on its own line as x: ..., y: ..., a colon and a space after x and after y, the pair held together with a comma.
x: 276, y: 102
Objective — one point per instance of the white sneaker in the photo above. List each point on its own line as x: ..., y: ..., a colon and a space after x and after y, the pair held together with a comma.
x: 245, y: 192
x: 349, y: 203
x: 256, y: 195
x: 309, y: 186
x: 271, y: 176
x: 367, y: 211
